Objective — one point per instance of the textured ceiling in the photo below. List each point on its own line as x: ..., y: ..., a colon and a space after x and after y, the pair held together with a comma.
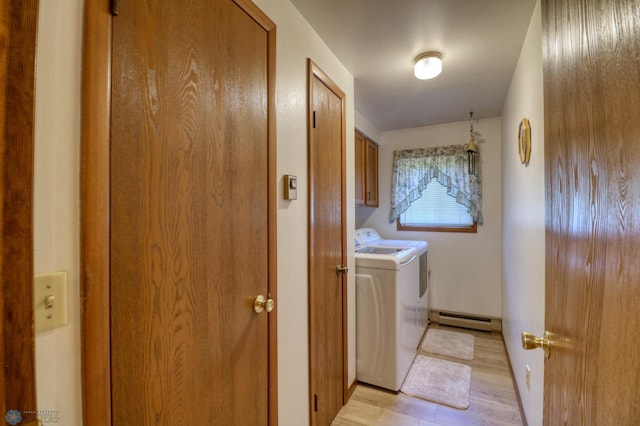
x: 377, y: 40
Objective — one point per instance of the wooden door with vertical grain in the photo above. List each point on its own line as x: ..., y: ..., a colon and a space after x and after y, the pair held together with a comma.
x: 192, y: 223
x: 592, y: 149
x: 18, y: 28
x: 327, y: 282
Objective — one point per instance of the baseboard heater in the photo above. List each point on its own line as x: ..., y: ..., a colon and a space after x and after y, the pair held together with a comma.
x: 466, y: 321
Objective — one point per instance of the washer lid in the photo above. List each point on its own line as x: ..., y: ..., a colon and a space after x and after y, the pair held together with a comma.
x: 381, y: 257
x: 370, y: 237
x: 379, y: 250
x: 420, y: 246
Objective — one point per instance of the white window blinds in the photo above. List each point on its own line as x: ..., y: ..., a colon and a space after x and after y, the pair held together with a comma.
x: 436, y: 209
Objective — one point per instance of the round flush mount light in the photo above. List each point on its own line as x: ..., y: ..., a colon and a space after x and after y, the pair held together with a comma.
x: 427, y: 65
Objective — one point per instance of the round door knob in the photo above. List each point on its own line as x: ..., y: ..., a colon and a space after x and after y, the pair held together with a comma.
x: 529, y: 341
x: 261, y: 303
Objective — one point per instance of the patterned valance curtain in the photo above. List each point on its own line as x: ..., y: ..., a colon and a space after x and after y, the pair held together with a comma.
x: 413, y: 169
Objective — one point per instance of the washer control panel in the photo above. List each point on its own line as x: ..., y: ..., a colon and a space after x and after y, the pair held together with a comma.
x: 365, y: 236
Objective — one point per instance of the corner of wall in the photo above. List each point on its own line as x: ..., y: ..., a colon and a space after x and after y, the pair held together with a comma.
x: 366, y: 127
x: 523, y: 229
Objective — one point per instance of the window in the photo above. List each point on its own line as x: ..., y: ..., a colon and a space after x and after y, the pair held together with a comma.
x: 435, y: 210
x: 432, y: 190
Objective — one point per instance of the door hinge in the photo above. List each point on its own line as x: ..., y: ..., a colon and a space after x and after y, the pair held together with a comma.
x: 115, y: 7
x: 314, y: 119
x: 315, y: 402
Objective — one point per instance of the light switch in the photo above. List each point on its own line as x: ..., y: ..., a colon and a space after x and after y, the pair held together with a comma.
x: 50, y: 300
x: 290, y: 187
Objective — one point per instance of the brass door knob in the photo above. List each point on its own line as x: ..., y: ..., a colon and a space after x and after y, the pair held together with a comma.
x: 261, y: 303
x: 340, y: 269
x: 529, y: 341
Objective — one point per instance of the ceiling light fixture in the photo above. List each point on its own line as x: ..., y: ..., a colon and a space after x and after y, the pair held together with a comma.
x: 427, y: 65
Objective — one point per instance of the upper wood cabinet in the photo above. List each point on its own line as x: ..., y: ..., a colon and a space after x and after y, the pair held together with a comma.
x: 366, y: 155
x: 371, y: 174
x: 360, y: 168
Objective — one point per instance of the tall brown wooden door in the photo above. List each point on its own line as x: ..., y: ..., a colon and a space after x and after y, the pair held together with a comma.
x: 592, y: 148
x: 327, y: 281
x: 192, y: 218
x: 18, y: 27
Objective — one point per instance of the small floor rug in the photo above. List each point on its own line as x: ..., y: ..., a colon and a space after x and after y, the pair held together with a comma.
x: 439, y: 381
x: 449, y: 343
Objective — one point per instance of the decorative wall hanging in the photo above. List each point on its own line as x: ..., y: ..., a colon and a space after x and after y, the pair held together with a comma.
x: 524, y: 141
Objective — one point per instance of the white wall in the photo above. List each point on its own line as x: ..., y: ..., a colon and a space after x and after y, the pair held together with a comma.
x: 296, y: 42
x: 465, y: 268
x: 57, y: 199
x: 523, y: 221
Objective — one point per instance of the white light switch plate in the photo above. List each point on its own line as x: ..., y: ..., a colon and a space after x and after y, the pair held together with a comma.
x: 46, y: 285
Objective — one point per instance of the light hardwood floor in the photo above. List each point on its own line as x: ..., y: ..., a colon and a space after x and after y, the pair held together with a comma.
x: 492, y: 397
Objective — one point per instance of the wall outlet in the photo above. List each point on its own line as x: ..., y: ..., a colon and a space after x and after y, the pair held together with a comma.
x: 528, y: 378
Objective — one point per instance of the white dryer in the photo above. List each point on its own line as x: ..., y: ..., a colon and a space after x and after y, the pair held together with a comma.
x: 386, y: 281
x: 369, y: 237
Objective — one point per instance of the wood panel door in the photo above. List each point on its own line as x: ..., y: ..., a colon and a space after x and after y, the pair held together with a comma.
x: 191, y: 218
x: 18, y: 27
x: 592, y: 149
x: 327, y: 285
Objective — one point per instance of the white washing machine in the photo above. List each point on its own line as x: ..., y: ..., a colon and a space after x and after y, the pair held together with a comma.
x: 386, y: 284
x: 369, y: 237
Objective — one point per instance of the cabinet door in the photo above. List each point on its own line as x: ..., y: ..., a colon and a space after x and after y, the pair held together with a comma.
x: 371, y: 175
x: 360, y: 169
